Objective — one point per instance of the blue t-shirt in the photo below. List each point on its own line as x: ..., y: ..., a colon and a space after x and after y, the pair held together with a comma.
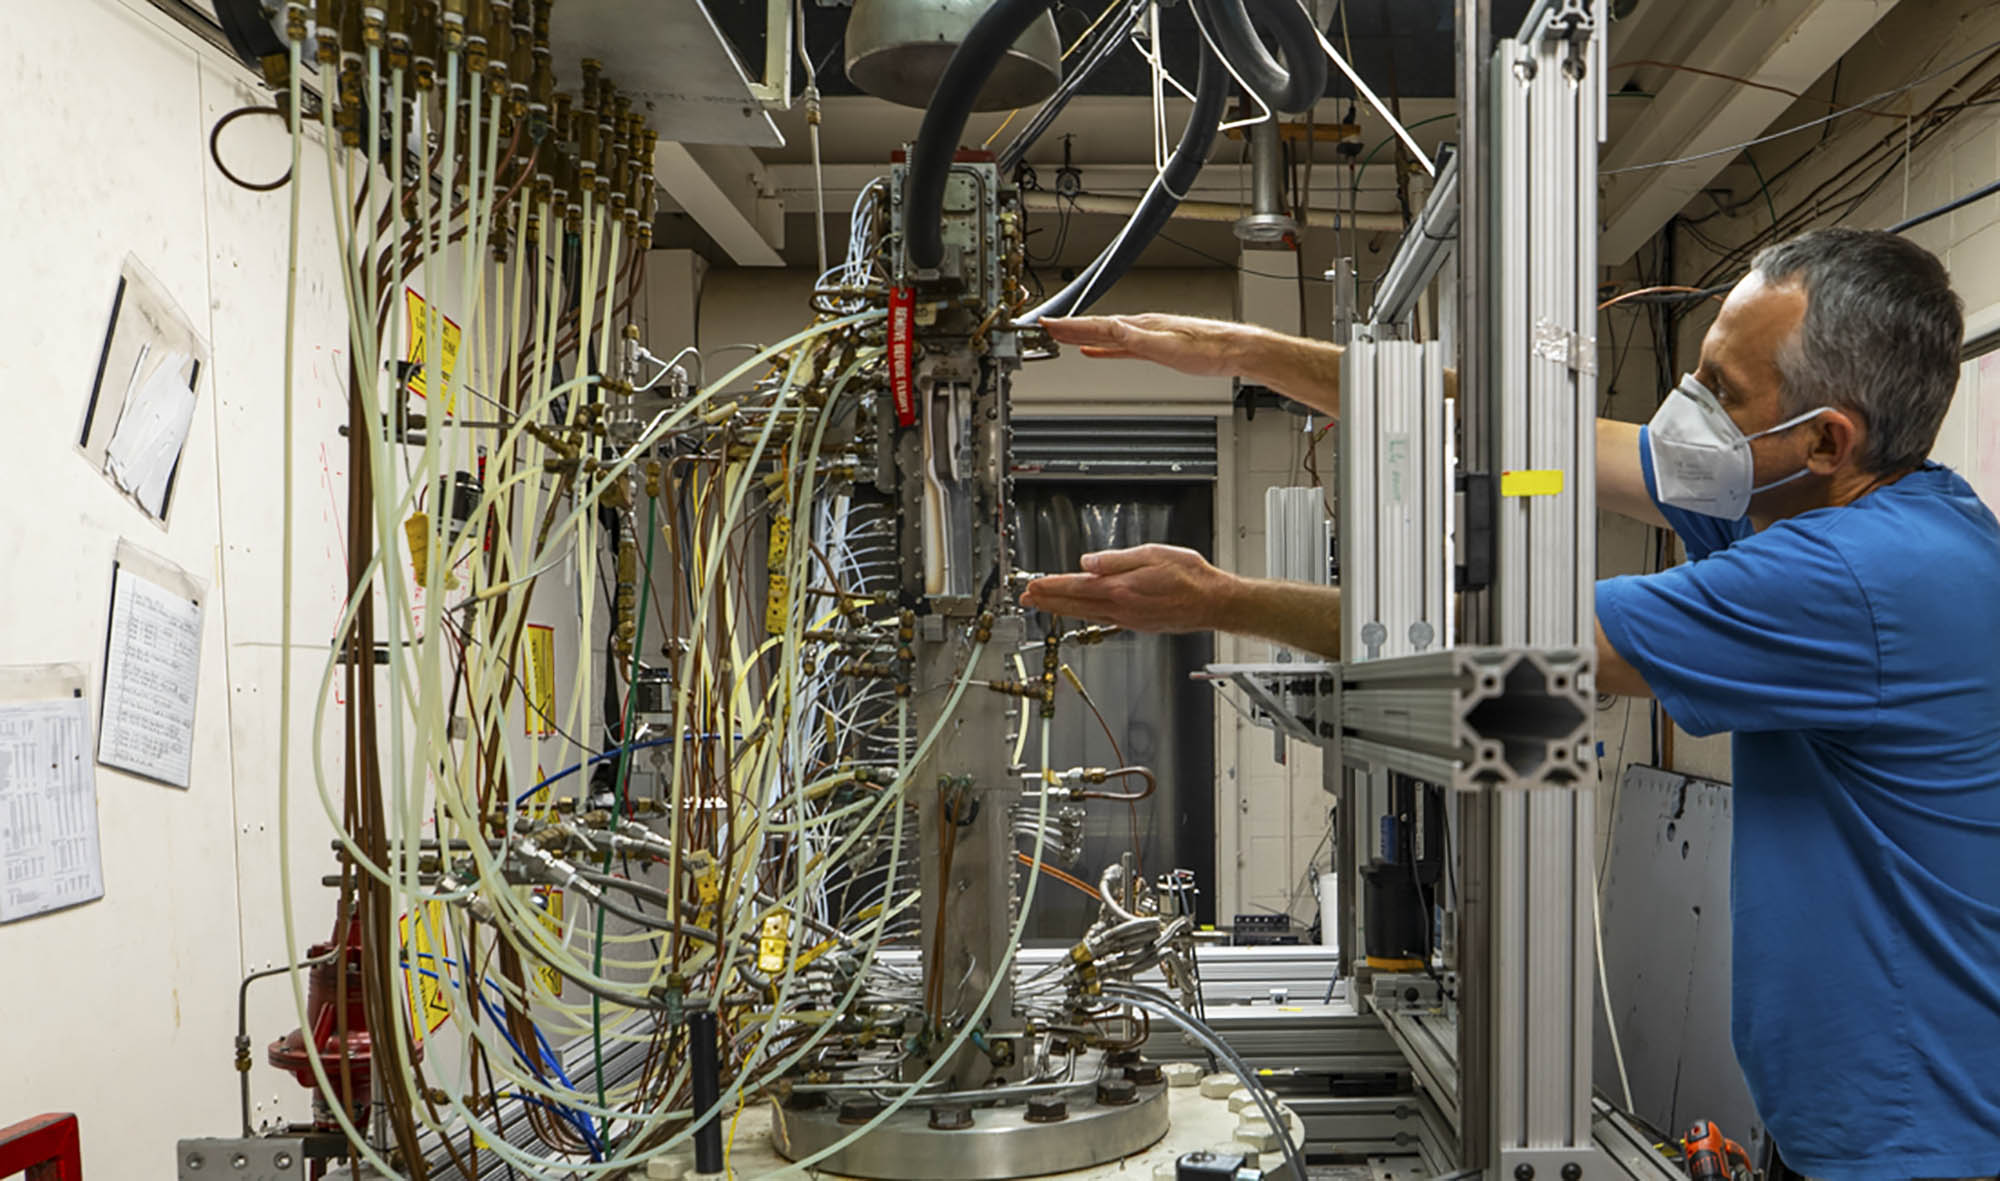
x: 1855, y: 654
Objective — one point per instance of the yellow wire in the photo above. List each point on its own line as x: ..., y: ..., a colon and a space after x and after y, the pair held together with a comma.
x: 1065, y: 57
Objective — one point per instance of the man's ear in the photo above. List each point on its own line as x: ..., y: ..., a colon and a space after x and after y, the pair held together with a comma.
x: 1837, y: 437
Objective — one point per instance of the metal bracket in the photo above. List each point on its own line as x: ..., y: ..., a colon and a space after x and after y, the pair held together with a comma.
x: 1573, y: 350
x: 1583, y: 1163
x: 1569, y: 20
x: 256, y: 1158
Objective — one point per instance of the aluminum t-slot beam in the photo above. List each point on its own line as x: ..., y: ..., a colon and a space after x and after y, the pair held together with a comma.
x: 1472, y: 719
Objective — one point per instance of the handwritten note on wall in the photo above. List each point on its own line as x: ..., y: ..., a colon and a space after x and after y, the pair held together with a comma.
x: 49, y: 856
x: 152, y: 664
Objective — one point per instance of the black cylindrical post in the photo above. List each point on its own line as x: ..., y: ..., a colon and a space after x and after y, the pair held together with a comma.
x: 707, y: 1090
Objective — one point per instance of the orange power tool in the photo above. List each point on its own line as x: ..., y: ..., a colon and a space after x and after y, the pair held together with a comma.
x: 1711, y: 1156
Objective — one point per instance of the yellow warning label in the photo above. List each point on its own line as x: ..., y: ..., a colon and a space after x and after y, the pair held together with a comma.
x: 420, y: 339
x: 538, y: 671
x: 1541, y: 482
x: 426, y: 975
x: 772, y: 944
x: 777, y: 558
x: 549, y: 900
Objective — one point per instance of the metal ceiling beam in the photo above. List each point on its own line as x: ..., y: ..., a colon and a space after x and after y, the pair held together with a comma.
x: 1783, y: 43
x: 725, y: 190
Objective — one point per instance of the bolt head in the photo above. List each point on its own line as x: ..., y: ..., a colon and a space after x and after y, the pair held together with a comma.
x: 1117, y: 1092
x: 1144, y: 1074
x: 1524, y: 1172
x: 283, y: 1160
x: 1120, y: 1059
x: 1046, y: 1109
x: 196, y: 1162
x: 239, y: 1161
x: 1572, y: 1171
x: 859, y: 1110
x: 951, y: 1117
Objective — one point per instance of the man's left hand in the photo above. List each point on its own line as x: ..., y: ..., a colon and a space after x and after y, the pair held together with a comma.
x: 1149, y: 588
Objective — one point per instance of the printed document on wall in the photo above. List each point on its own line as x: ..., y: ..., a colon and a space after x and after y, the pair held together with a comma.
x: 152, y: 664
x: 48, y: 793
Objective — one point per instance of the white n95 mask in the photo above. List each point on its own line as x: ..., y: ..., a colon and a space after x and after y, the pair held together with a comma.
x: 1701, y: 458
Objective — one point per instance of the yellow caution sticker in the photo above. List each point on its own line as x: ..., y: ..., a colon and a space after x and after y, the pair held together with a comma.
x: 549, y: 900
x: 426, y: 975
x: 539, y: 671
x: 777, y: 559
x: 773, y: 943
x: 1538, y: 482
x: 420, y: 339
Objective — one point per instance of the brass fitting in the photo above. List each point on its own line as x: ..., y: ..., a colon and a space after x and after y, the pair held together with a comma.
x: 476, y: 43
x: 326, y: 29
x: 424, y: 44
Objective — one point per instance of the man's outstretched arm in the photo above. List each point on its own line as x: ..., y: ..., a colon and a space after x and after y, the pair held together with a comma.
x: 1306, y: 371
x: 1164, y: 588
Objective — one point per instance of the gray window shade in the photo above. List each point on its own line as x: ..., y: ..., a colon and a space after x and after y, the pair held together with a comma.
x: 1165, y: 448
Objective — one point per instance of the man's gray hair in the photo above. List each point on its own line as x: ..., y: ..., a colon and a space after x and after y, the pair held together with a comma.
x: 1881, y: 337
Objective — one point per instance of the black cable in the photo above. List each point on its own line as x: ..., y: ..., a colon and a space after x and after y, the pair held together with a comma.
x: 1100, y: 51
x: 1158, y: 205
x: 931, y: 154
x: 1231, y: 263
x: 215, y: 154
x: 1291, y: 88
x: 1978, y: 194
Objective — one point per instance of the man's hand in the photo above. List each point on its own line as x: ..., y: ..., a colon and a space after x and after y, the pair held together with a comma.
x: 1150, y: 588
x: 1200, y: 348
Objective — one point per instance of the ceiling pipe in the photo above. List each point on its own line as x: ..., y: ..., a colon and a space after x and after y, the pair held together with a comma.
x: 1093, y: 203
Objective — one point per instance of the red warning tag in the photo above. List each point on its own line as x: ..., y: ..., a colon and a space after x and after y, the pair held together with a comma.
x: 902, y: 384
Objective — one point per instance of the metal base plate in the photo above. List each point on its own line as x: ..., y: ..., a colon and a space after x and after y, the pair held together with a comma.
x: 999, y: 1144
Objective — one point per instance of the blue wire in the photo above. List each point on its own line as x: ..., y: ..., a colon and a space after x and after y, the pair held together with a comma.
x: 613, y: 753
x: 576, y: 1119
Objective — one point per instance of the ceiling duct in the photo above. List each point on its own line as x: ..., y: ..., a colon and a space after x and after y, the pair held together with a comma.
x: 897, y: 50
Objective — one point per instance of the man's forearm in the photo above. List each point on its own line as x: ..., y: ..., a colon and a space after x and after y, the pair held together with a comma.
x: 1296, y: 614
x: 1306, y: 371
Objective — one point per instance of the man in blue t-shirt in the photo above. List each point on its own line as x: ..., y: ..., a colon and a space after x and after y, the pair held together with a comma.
x: 1840, y: 614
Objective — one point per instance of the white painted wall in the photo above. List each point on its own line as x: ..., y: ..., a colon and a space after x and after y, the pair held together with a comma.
x: 123, y: 1011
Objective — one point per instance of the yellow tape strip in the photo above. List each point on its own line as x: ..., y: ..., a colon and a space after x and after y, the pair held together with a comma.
x: 1543, y: 482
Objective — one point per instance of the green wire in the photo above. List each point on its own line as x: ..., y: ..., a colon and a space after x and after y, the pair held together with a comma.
x: 624, y: 770
x: 1768, y: 203
x: 1392, y: 139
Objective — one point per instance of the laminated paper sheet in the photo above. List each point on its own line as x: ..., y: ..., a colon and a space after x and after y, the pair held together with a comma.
x: 49, y: 856
x: 152, y: 665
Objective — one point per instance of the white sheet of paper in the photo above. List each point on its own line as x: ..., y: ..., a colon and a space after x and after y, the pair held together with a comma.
x: 152, y: 663
x: 151, y: 433
x: 49, y: 855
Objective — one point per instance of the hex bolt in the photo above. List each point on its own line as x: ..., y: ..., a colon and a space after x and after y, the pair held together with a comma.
x: 1257, y: 1132
x: 1572, y: 1171
x: 1120, y: 1059
x: 1240, y: 1099
x: 1117, y: 1092
x: 1217, y: 1086
x: 860, y: 1110
x: 951, y: 1117
x: 1181, y: 1074
x: 1144, y: 1074
x: 1046, y: 1109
